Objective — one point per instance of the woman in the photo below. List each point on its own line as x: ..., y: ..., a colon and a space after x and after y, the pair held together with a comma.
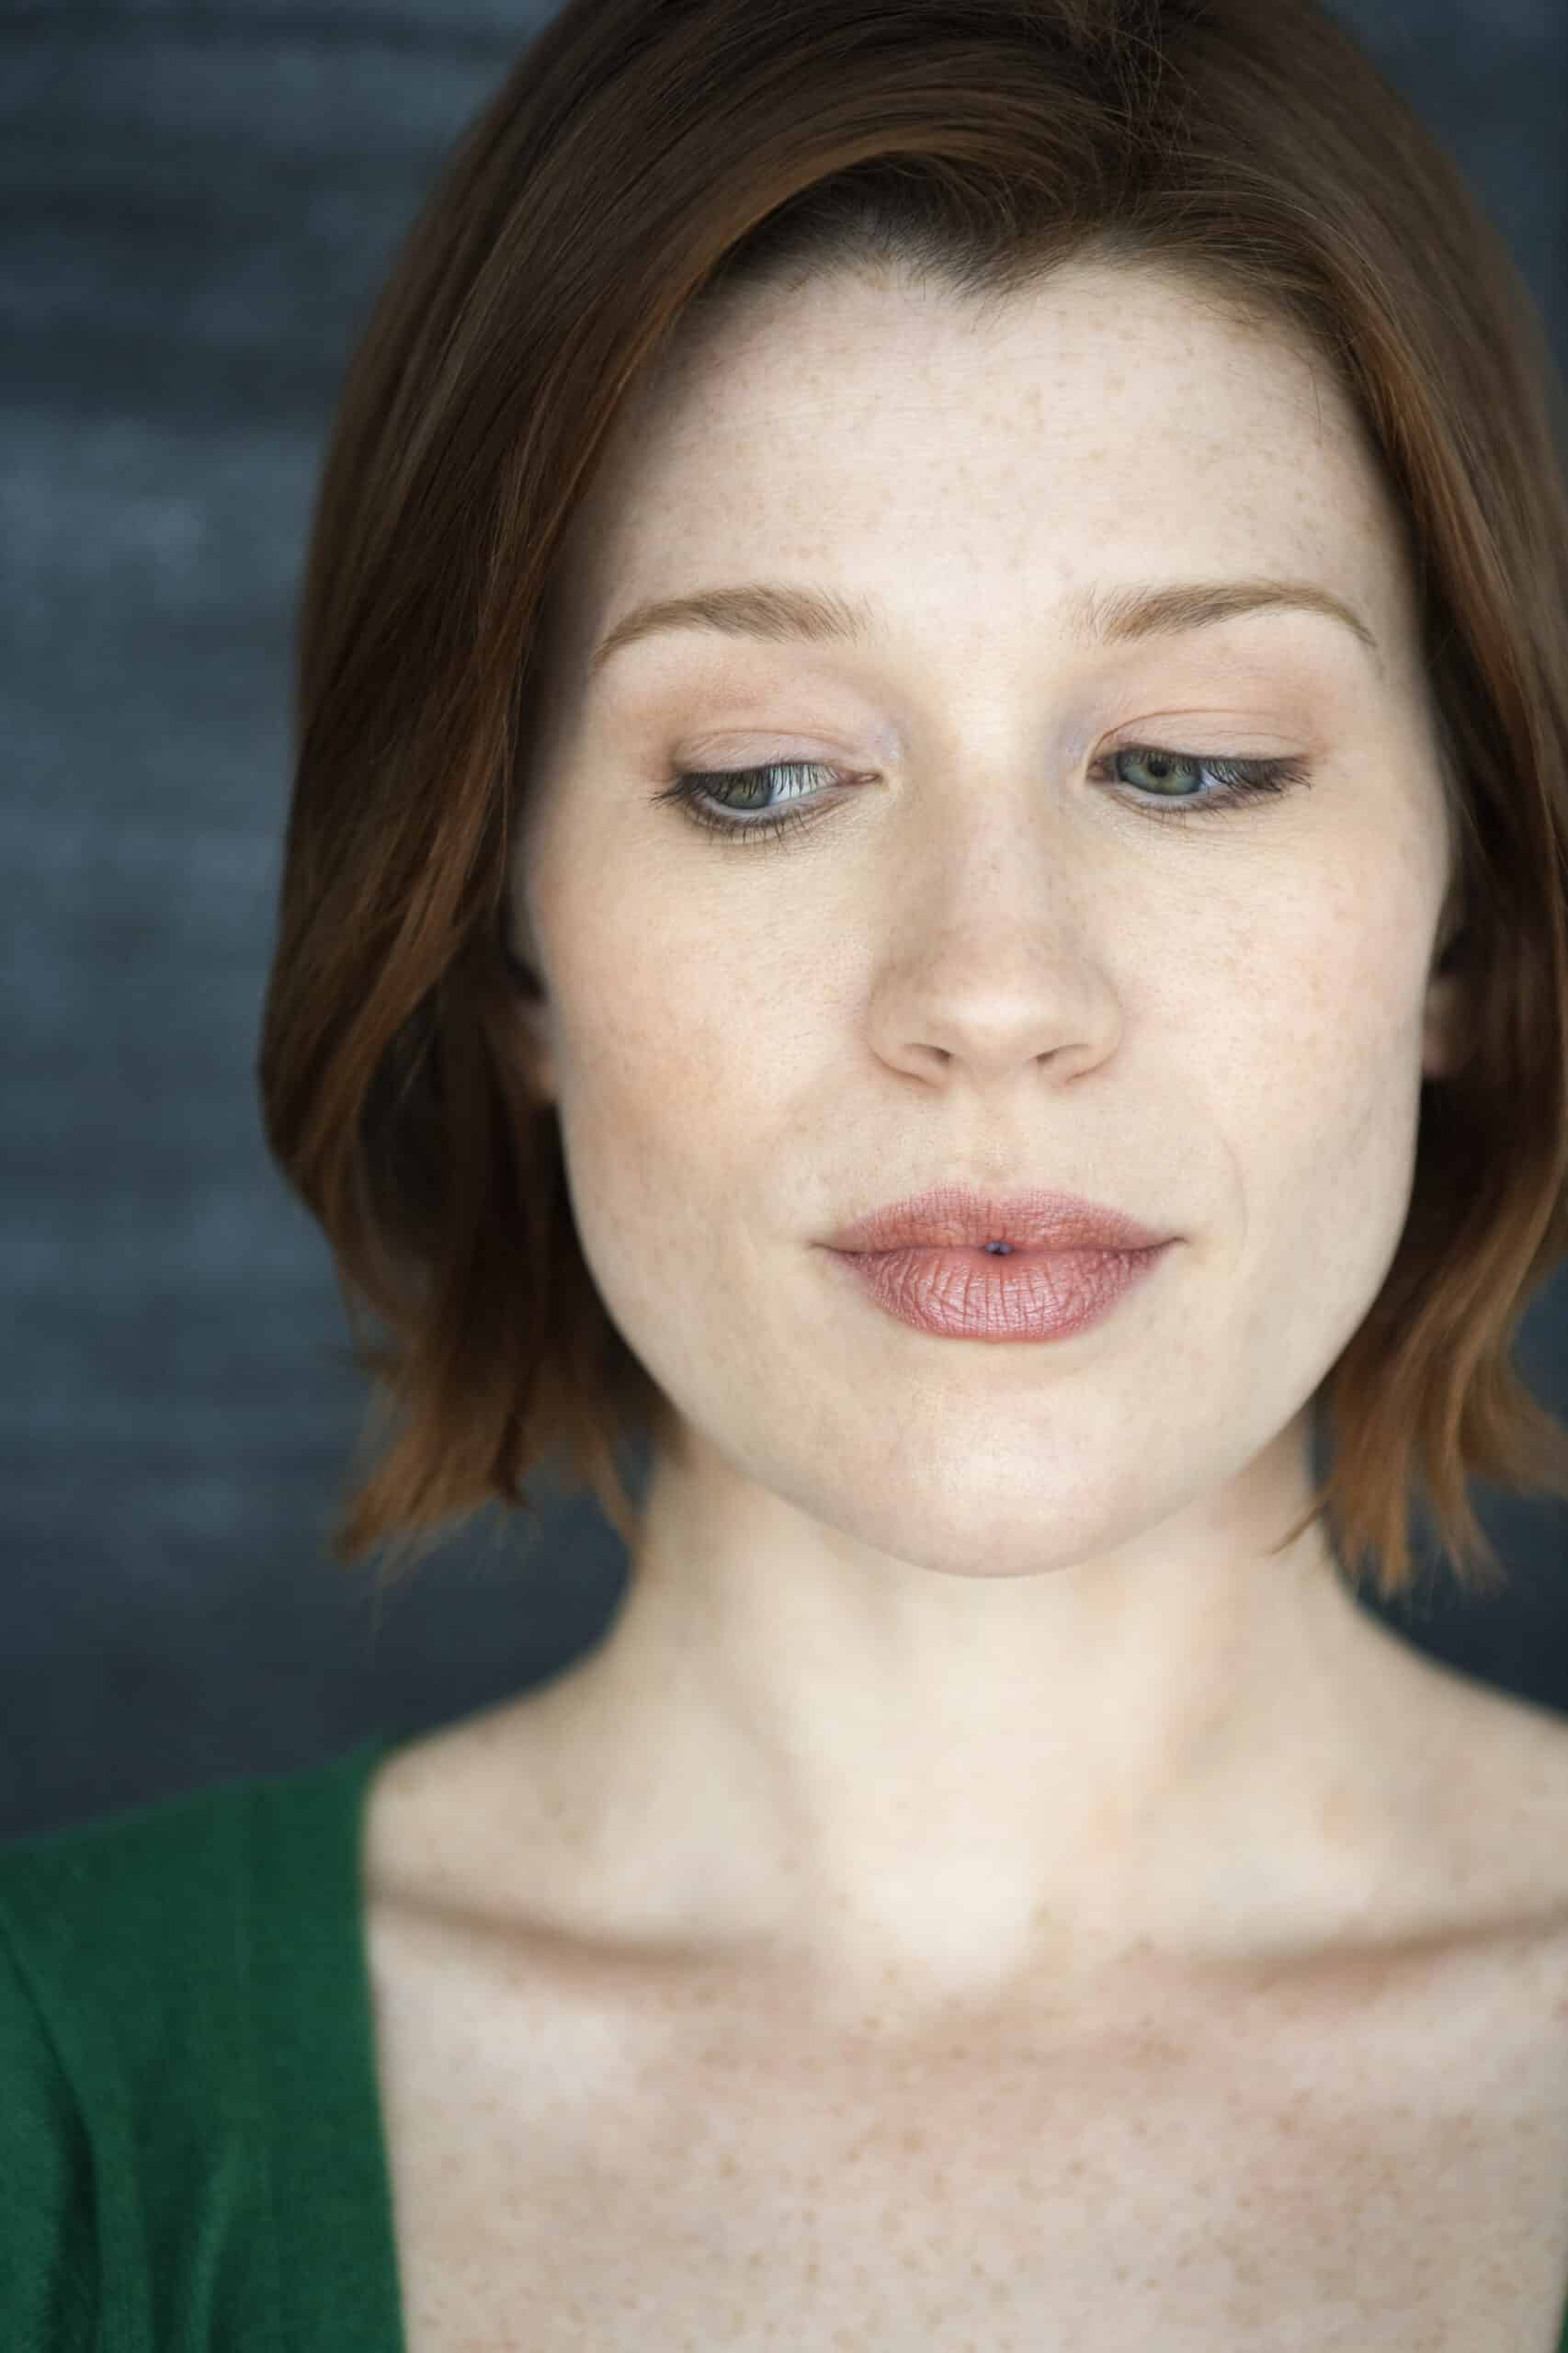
x: 1076, y: 491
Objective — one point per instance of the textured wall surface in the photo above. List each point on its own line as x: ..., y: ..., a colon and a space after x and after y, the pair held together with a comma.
x: 197, y: 203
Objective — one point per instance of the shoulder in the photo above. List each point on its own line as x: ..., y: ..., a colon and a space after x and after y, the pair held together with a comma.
x: 145, y: 1872
x: 455, y: 1815
x: 172, y: 2012
x: 1487, y: 1828
x: 46, y: 2253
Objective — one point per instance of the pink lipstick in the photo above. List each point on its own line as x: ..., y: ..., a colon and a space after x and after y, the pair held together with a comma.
x: 1031, y: 1266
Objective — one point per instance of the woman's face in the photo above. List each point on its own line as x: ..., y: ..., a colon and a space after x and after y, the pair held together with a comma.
x: 988, y: 954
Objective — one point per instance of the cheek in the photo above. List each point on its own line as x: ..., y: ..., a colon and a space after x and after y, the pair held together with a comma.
x: 1364, y: 957
x: 1286, y: 1035
x: 1334, y: 958
x: 674, y: 1006
x: 1334, y: 1053
x: 655, y: 1050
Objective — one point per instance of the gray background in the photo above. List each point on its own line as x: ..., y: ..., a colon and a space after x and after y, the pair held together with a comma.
x: 198, y: 206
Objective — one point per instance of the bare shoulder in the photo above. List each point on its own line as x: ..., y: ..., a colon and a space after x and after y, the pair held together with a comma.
x: 435, y: 1807
x: 1490, y: 1821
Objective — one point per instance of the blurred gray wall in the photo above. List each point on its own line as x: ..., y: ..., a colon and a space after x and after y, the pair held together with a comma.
x: 197, y: 205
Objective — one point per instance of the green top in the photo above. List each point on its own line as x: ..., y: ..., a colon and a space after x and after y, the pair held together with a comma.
x: 192, y: 2151
x: 191, y: 2154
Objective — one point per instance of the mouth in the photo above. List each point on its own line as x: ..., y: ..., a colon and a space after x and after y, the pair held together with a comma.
x: 1037, y: 1224
x: 987, y: 1290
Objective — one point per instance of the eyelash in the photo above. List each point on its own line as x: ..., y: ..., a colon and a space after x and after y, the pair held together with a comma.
x: 1244, y: 781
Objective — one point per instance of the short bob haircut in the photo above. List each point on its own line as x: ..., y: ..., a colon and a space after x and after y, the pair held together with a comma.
x: 641, y: 159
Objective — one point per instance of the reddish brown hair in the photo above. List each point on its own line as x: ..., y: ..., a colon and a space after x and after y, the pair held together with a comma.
x: 643, y: 158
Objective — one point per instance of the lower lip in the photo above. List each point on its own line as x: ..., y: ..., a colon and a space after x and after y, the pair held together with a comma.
x: 976, y: 1295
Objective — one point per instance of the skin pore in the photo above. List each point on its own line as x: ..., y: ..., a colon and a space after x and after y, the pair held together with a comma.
x: 945, y: 1667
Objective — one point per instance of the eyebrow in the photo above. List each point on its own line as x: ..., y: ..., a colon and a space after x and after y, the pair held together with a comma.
x: 788, y: 614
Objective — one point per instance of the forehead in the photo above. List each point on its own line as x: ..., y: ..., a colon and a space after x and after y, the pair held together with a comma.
x: 1106, y: 424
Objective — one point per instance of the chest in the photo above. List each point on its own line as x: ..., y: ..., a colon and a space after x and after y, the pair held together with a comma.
x: 574, y: 2168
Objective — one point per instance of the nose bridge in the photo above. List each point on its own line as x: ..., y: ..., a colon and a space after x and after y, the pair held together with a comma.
x: 991, y: 843
x: 1001, y: 893
x: 1000, y: 709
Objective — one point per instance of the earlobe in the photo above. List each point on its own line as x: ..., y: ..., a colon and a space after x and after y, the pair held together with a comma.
x: 531, y: 1016
x: 524, y: 1018
x: 523, y: 975
x: 1447, y: 1039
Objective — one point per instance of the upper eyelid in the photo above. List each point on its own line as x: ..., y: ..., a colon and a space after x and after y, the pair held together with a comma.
x: 1156, y: 734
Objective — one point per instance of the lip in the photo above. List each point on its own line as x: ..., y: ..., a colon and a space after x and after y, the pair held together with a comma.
x: 969, y: 1294
x: 958, y: 1217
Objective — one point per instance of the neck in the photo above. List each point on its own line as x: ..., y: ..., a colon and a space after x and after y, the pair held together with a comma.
x: 953, y: 1783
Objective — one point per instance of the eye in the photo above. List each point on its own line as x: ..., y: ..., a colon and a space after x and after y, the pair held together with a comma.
x: 697, y: 791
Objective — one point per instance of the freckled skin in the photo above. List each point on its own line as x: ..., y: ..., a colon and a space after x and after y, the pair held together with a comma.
x: 974, y: 1894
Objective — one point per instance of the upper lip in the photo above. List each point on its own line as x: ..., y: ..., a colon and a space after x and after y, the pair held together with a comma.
x: 961, y: 1217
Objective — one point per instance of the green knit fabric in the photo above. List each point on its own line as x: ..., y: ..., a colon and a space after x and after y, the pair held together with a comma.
x: 191, y: 2152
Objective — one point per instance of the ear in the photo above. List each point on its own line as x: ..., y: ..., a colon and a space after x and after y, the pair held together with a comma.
x: 531, y: 1042
x: 526, y: 1017
x: 1450, y: 1019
